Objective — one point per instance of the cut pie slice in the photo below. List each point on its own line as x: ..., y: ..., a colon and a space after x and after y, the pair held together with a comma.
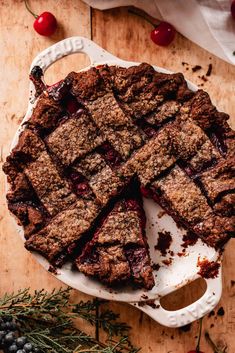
x: 118, y: 251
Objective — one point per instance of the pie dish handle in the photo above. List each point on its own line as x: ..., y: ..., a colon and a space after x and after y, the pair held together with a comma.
x: 65, y: 47
x: 69, y: 46
x: 190, y: 313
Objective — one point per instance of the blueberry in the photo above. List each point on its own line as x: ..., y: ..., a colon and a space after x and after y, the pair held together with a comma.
x: 13, y: 326
x: 9, y: 338
x: 3, y: 326
x: 36, y: 350
x: 28, y: 347
x: 13, y: 348
x: 20, y: 351
x: 8, y: 325
x: 7, y: 318
x: 2, y: 335
x: 20, y: 342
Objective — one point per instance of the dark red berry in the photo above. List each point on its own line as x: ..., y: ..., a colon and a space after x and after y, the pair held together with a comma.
x: 106, y: 147
x: 132, y: 205
x: 45, y: 24
x: 233, y: 8
x: 163, y: 34
x: 82, y: 188
x: 145, y: 192
x: 76, y: 177
x: 150, y: 132
x: 72, y: 105
x: 111, y: 157
x: 71, y: 248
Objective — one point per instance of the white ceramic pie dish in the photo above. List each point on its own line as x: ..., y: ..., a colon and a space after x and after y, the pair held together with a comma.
x: 182, y: 270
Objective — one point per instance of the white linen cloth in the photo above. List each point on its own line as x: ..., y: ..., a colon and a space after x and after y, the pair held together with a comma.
x: 207, y: 23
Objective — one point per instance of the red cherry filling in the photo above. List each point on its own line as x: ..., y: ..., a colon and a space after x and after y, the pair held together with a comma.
x: 150, y: 132
x: 110, y: 155
x: 72, y: 105
x: 132, y: 205
x: 36, y: 76
x: 217, y: 137
x: 80, y: 184
x: 82, y: 188
x: 145, y: 192
x: 76, y: 177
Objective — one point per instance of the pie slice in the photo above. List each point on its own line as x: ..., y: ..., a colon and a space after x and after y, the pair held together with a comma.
x: 118, y: 251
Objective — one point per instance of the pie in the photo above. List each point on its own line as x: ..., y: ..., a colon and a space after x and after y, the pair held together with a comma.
x: 96, y: 142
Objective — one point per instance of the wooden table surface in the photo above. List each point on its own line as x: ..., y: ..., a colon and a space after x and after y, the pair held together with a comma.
x: 126, y: 36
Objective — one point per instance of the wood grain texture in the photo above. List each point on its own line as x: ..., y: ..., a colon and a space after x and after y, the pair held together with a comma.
x: 126, y: 36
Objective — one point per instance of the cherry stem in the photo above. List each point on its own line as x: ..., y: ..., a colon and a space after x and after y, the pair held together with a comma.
x: 212, y: 344
x: 143, y: 17
x: 27, y: 7
x: 199, y: 335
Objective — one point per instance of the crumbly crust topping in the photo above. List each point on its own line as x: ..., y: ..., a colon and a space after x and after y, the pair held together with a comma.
x: 46, y: 113
x: 152, y: 159
x: 90, y: 165
x: 206, y: 154
x: 105, y: 184
x: 112, y: 266
x: 165, y: 111
x: 220, y: 179
x: 52, y: 190
x: 121, y: 227
x: 184, y: 195
x: 66, y: 228
x: 116, y: 126
x: 74, y: 139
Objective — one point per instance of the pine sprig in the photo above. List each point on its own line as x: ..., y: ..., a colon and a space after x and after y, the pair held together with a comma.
x: 40, y: 302
x: 107, y: 320
x: 46, y: 319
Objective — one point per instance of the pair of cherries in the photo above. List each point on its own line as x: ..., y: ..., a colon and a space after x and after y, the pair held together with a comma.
x: 162, y: 34
x: 46, y: 24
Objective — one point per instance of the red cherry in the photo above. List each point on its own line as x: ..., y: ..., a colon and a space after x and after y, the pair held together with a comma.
x: 82, y: 188
x: 132, y: 205
x: 72, y: 105
x: 145, y: 192
x: 163, y: 34
x: 45, y: 24
x: 233, y: 9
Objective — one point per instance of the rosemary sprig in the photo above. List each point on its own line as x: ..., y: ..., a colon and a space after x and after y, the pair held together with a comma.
x: 47, y: 320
